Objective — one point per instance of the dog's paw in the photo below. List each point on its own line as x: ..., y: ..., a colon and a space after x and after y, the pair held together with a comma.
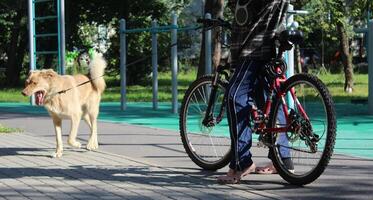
x: 92, y: 145
x: 75, y: 144
x: 57, y: 154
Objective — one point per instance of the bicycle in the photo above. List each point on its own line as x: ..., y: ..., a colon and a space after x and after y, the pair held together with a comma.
x: 303, y: 100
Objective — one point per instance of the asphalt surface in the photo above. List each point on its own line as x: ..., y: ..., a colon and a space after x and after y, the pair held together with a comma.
x: 345, y: 178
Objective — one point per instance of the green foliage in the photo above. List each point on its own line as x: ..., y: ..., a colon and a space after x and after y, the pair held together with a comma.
x: 138, y: 14
x: 320, y: 24
x: 71, y: 56
x: 12, y: 40
x: 359, y: 11
x: 84, y: 17
x: 6, y: 24
x: 72, y: 64
x: 4, y: 129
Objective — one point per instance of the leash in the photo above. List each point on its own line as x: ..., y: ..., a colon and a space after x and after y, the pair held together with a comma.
x: 167, y: 47
x: 85, y: 82
x: 127, y: 65
x: 90, y: 80
x: 66, y: 90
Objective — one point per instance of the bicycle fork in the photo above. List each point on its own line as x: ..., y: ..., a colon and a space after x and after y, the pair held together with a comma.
x: 208, y: 120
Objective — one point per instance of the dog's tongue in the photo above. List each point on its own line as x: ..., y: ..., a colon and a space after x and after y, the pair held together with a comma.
x: 39, y: 98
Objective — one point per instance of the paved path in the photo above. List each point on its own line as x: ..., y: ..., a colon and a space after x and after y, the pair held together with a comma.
x: 145, y: 163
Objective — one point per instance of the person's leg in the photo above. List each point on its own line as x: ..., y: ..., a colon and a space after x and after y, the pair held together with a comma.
x: 239, y: 105
x: 283, y: 142
x: 282, y: 139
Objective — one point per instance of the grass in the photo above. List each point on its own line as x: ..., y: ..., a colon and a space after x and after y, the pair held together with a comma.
x: 137, y: 93
x: 12, y: 95
x: 335, y: 84
x: 4, y: 129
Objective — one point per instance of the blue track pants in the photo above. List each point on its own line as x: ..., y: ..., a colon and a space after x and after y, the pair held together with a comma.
x: 240, y: 102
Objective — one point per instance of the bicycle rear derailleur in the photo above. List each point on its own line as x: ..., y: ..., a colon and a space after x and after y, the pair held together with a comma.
x: 302, y: 128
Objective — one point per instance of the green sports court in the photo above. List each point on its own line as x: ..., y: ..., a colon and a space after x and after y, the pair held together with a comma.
x: 354, y: 127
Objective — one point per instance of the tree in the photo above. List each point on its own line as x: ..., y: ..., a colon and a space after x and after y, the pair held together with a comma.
x: 338, y: 9
x: 138, y: 14
x: 345, y: 14
x: 13, y: 43
x: 331, y: 22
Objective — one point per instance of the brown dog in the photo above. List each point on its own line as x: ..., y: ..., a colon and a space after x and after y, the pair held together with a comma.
x: 79, y: 101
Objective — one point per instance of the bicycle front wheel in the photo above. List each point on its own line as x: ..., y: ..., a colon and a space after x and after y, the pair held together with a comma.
x: 301, y: 154
x: 208, y: 146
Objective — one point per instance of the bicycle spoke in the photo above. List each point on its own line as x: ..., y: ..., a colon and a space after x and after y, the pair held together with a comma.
x: 202, y: 96
x: 209, y: 145
x: 309, y: 129
x: 196, y: 102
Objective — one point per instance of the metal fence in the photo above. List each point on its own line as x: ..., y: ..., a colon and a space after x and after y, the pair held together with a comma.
x: 173, y: 28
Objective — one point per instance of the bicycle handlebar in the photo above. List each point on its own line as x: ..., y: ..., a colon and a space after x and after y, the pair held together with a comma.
x: 214, y: 23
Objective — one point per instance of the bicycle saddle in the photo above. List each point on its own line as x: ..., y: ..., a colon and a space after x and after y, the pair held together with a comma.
x: 293, y: 36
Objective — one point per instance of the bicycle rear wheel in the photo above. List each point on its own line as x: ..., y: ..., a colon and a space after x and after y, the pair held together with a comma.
x: 310, y: 139
x: 208, y: 147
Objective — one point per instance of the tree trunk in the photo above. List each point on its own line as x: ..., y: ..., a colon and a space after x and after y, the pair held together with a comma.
x: 346, y: 57
x: 298, y: 59
x: 215, y: 8
x: 216, y: 34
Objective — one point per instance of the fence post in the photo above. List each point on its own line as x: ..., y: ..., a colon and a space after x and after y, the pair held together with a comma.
x: 123, y: 63
x: 208, y: 59
x: 290, y: 54
x: 155, y: 64
x: 62, y: 37
x: 174, y: 62
x: 31, y: 42
x: 370, y: 66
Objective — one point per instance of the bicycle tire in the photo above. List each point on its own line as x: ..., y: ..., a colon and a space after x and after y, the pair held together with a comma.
x: 327, y: 152
x: 186, y: 137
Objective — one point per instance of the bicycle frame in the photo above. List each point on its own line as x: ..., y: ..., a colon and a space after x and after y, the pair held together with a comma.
x: 275, y: 89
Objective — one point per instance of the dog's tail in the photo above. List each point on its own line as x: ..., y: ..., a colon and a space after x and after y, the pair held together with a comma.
x: 96, y: 71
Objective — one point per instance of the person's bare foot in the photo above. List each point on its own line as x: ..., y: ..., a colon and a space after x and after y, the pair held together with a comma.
x: 268, y: 169
x: 234, y: 177
x: 247, y: 171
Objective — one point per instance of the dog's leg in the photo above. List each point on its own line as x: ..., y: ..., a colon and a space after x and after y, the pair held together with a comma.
x: 75, y: 120
x: 93, y: 142
x: 87, y: 120
x: 59, y: 144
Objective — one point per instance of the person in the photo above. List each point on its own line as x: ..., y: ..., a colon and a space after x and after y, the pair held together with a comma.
x: 252, y: 46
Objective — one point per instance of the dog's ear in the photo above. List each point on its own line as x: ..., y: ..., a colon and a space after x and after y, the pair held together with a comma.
x: 49, y: 73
